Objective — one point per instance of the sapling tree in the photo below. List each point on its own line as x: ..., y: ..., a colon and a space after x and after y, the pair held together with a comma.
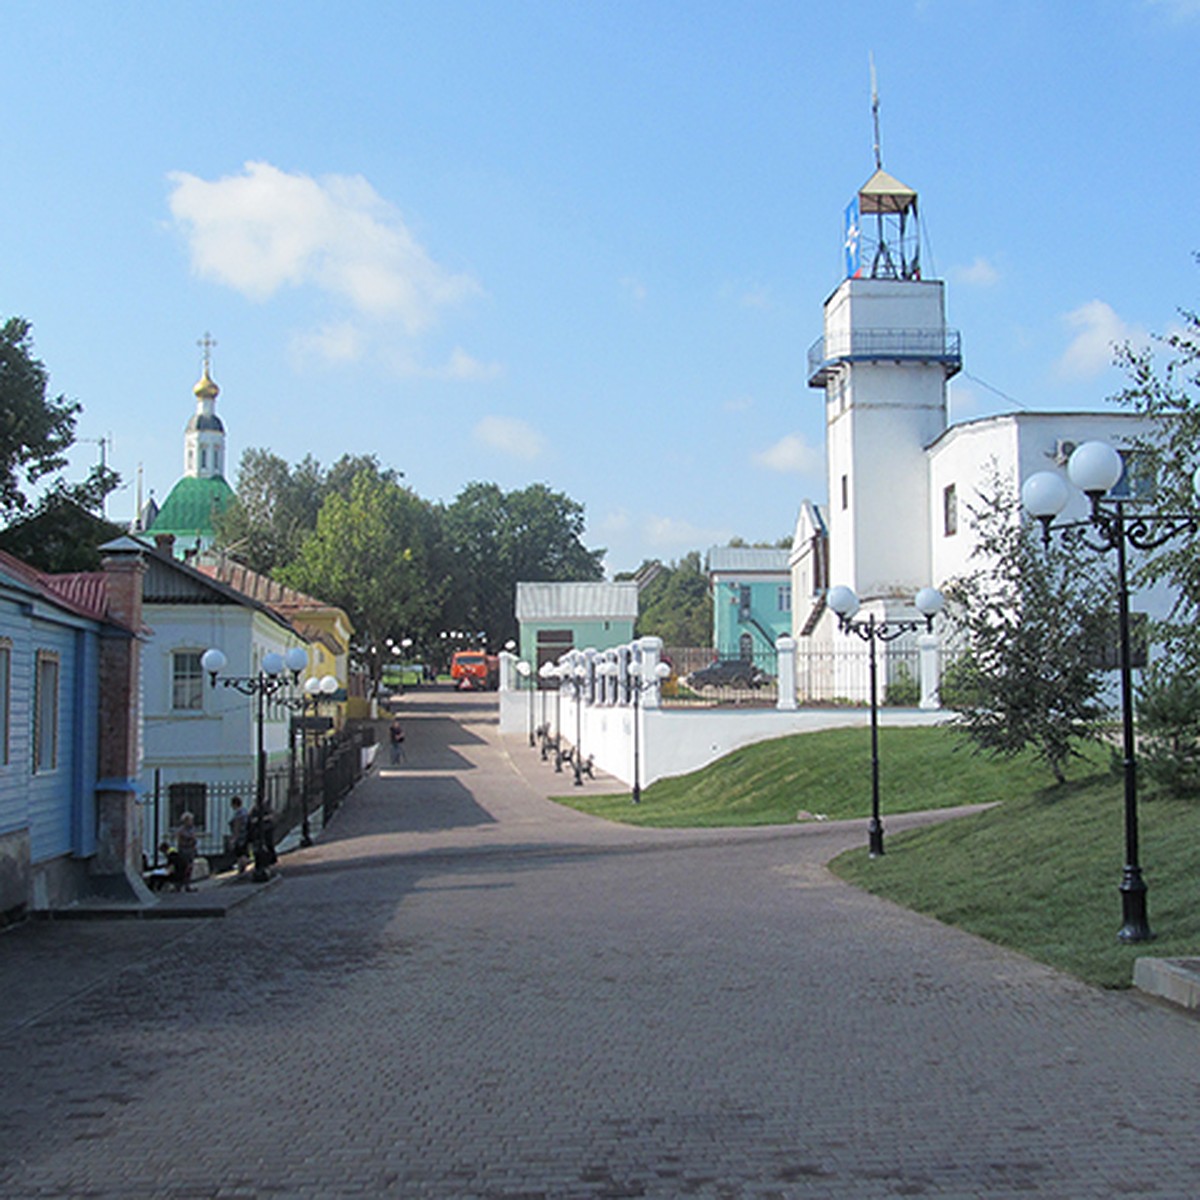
x: 1036, y: 622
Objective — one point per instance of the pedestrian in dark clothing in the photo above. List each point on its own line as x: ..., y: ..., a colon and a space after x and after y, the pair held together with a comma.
x: 239, y: 837
x: 396, y: 734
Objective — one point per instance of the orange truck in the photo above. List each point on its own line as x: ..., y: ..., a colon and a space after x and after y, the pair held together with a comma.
x: 473, y: 670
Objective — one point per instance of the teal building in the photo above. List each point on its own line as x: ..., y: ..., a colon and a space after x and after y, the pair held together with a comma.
x: 752, y: 600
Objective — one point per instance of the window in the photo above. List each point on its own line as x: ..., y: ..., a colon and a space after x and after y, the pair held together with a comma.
x: 1137, y: 482
x: 187, y: 681
x: 950, y: 511
x: 187, y: 797
x: 5, y: 698
x: 845, y: 492
x: 744, y: 602
x: 783, y: 598
x: 746, y: 648
x: 203, y: 459
x: 45, y: 713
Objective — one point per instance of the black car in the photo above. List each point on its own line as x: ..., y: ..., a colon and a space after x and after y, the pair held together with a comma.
x: 734, y: 672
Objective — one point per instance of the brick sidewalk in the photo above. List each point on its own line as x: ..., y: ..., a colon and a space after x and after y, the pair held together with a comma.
x: 464, y: 991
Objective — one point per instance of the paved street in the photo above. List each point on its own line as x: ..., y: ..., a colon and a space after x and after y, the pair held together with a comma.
x: 465, y: 991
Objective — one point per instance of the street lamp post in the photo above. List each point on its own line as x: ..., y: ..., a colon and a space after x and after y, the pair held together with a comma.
x: 315, y: 691
x: 526, y: 673
x: 1094, y: 468
x: 844, y: 602
x: 269, y: 680
x: 546, y: 672
x: 578, y: 676
x: 556, y: 672
x: 636, y: 684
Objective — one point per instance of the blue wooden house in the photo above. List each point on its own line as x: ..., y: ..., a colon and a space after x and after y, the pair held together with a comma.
x: 66, y: 794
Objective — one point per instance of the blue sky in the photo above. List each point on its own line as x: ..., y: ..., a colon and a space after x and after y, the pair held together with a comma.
x: 585, y: 244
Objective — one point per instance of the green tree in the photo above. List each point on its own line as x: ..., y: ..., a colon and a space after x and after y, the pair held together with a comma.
x: 369, y: 556
x: 495, y: 540
x: 1037, y: 625
x: 277, y: 505
x: 676, y: 605
x: 1163, y: 383
x: 35, y: 430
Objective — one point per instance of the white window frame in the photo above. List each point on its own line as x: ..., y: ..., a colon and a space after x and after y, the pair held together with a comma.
x: 195, y: 694
x: 47, y: 671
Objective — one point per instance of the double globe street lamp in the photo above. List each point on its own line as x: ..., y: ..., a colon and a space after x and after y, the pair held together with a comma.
x: 270, y: 679
x: 1095, y: 468
x: 845, y: 604
x: 637, y: 682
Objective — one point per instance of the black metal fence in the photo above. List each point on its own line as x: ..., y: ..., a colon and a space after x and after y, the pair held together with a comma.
x: 311, y: 786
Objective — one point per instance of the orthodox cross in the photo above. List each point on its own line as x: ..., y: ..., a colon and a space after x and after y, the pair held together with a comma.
x: 206, y: 343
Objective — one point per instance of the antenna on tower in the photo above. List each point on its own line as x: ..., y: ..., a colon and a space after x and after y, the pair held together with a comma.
x: 875, y: 110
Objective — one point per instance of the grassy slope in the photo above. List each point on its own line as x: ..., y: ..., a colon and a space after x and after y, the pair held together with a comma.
x: 1039, y: 873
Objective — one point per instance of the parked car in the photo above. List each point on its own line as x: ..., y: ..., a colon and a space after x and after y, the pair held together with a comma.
x: 733, y: 672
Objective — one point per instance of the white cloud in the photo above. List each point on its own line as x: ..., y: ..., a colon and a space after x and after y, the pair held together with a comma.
x: 460, y: 365
x: 510, y: 436
x: 1099, y: 330
x: 336, y: 342
x: 1177, y: 10
x: 792, y: 455
x: 756, y: 297
x: 635, y: 289
x: 981, y: 273
x: 264, y: 230
x: 738, y: 404
x: 672, y: 533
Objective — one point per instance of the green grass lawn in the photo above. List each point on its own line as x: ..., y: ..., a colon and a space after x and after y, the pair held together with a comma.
x: 1038, y: 873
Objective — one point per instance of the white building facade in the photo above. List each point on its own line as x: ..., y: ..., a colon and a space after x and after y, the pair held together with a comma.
x: 901, y: 479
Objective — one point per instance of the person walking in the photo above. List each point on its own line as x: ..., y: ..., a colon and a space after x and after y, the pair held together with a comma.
x: 396, y: 733
x: 239, y: 834
x: 186, y: 843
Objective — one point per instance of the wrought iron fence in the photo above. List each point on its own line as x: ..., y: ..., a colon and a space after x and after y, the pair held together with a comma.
x: 837, y: 675
x: 313, y: 783
x: 700, y: 678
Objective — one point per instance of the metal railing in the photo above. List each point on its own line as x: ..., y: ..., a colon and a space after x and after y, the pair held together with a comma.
x: 315, y: 782
x: 825, y: 676
x: 868, y: 345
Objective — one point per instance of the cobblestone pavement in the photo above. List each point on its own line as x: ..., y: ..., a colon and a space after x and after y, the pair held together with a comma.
x: 464, y: 991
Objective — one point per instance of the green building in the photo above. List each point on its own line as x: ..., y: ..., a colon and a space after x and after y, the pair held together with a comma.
x: 557, y: 617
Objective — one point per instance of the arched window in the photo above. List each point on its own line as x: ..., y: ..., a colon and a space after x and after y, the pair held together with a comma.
x: 745, y: 647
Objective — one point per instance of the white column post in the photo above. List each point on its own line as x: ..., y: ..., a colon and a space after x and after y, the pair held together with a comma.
x: 651, y: 648
x: 785, y: 660
x: 508, y: 671
x: 927, y: 645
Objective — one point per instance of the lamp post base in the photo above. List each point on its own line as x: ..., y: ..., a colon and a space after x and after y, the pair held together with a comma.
x: 875, y: 838
x: 1136, y: 927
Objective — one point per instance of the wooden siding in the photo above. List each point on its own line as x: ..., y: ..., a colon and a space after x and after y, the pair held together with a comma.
x: 56, y: 806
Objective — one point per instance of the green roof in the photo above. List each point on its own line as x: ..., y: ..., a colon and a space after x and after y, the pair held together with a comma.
x: 188, y: 511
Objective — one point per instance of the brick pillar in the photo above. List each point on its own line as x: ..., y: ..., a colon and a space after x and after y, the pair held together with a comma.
x: 117, y: 866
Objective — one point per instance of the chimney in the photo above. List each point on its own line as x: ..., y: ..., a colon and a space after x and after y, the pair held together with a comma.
x: 165, y: 542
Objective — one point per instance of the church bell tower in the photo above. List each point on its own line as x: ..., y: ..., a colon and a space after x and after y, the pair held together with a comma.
x: 204, y: 437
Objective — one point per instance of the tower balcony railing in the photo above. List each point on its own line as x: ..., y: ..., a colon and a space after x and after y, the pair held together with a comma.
x: 942, y: 346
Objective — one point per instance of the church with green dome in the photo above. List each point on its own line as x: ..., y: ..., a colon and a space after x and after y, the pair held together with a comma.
x: 189, y: 511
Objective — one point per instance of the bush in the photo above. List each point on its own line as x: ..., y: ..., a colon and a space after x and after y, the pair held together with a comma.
x: 902, y: 689
x: 1169, y: 730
